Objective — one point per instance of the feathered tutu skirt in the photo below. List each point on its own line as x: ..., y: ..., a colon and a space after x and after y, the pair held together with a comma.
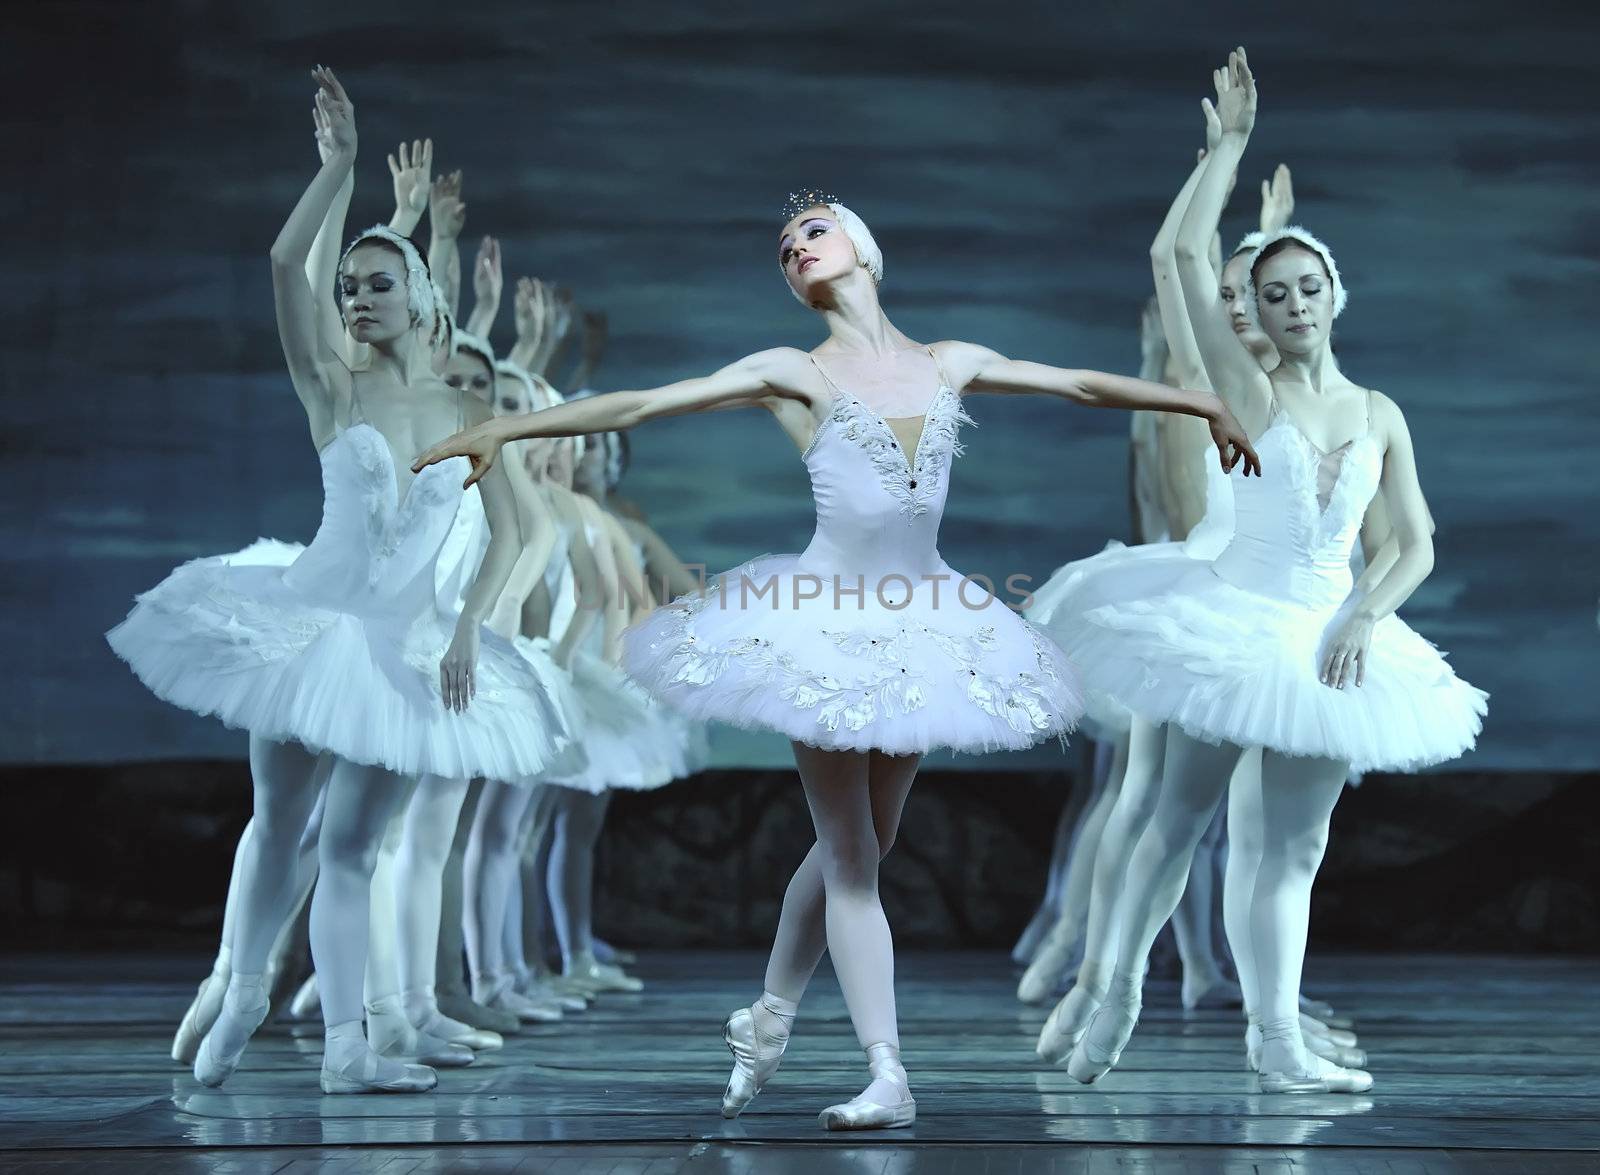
x: 230, y: 636
x: 1159, y: 633
x: 854, y: 674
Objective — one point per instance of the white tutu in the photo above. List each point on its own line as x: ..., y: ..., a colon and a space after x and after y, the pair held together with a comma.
x: 1231, y: 650
x: 903, y: 681
x: 621, y: 739
x: 340, y: 650
x: 1081, y: 586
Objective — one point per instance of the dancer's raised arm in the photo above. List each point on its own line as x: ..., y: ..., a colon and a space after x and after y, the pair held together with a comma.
x: 980, y: 369
x: 410, y: 172
x: 315, y: 364
x: 778, y: 372
x: 488, y: 282
x: 447, y: 216
x: 1232, y: 369
x: 322, y: 266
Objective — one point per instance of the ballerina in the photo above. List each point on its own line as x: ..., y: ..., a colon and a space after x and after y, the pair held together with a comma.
x: 1268, y: 646
x: 1176, y: 499
x: 409, y: 171
x: 344, y: 652
x: 860, y: 692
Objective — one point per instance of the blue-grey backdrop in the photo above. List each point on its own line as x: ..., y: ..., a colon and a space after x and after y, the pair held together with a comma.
x: 1014, y: 161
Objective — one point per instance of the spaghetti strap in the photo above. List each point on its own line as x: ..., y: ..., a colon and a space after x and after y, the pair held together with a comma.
x: 1369, y: 411
x: 828, y: 379
x: 944, y: 381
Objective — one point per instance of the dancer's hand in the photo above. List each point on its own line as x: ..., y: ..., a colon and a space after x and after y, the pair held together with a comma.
x: 1346, y: 663
x: 529, y: 309
x: 1235, y: 111
x: 1277, y: 200
x: 488, y: 279
x: 479, y: 444
x: 322, y: 132
x: 559, y: 313
x: 336, y: 122
x: 1232, y: 442
x: 446, y: 213
x: 458, y: 668
x: 410, y: 172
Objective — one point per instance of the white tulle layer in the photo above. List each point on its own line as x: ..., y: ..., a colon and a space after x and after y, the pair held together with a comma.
x: 1160, y: 633
x: 226, y: 637
x: 622, y: 736
x: 902, y: 681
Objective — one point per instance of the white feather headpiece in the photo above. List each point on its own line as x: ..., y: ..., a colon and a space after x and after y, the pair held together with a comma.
x: 868, y: 254
x: 419, y: 282
x: 1306, y: 239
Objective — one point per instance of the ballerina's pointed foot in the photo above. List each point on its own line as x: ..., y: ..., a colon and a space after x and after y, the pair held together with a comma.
x: 199, y: 1018
x: 1042, y: 979
x: 886, y: 1104
x: 244, y: 1007
x: 757, y: 1051
x: 1066, y: 1024
x: 1099, y: 1050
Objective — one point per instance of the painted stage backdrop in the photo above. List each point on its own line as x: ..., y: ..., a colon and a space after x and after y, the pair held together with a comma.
x: 1014, y: 161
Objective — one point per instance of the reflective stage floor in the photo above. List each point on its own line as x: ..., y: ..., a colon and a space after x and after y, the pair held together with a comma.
x: 1482, y: 1064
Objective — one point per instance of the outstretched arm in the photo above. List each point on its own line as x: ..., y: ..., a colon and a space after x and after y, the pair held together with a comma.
x: 1346, y: 661
x: 314, y: 369
x: 1233, y: 371
x: 747, y: 382
x: 988, y: 371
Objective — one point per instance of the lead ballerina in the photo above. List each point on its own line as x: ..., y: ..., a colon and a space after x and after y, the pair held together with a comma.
x: 865, y: 650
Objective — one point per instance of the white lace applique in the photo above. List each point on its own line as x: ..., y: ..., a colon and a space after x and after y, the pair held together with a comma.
x: 913, y: 485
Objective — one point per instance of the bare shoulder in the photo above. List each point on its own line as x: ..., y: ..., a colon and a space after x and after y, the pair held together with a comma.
x: 789, y: 376
x: 962, y: 362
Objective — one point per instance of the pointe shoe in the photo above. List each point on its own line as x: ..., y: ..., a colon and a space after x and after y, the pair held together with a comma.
x: 1321, y: 1009
x: 392, y: 1035
x: 221, y: 1049
x: 620, y: 956
x: 756, y: 1055
x: 200, y: 1016
x: 542, y: 989
x: 1342, y: 1037
x: 600, y: 976
x: 870, y: 1113
x: 1043, y: 976
x: 422, y: 1010
x: 496, y: 992
x: 1099, y: 1050
x: 307, y: 1002
x: 1066, y: 1025
x: 1321, y: 1046
x: 367, y: 1072
x: 458, y: 1005
x: 1287, y: 1067
x: 1212, y: 993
